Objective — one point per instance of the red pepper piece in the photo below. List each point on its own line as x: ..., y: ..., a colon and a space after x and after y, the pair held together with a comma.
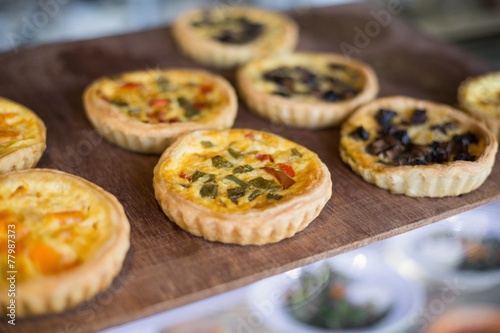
x: 283, y: 178
x: 185, y: 176
x: 250, y: 136
x: 287, y: 168
x: 206, y: 88
x: 174, y: 120
x: 159, y: 102
x: 131, y: 86
x: 264, y: 157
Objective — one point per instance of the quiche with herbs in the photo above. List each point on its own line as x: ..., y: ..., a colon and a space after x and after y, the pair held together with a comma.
x: 480, y: 97
x: 145, y: 111
x: 22, y: 137
x: 227, y: 36
x: 417, y: 148
x: 62, y: 238
x: 310, y: 90
x: 240, y: 186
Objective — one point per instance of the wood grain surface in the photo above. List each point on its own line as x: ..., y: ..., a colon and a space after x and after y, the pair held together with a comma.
x: 167, y: 267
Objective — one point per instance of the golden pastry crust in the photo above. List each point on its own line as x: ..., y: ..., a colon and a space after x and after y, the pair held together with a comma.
x: 145, y: 111
x: 240, y: 186
x: 22, y: 137
x: 325, y: 103
x: 452, y: 168
x: 277, y: 33
x: 70, y: 237
x: 480, y: 97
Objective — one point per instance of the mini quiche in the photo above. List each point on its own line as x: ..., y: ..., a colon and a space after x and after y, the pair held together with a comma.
x: 305, y: 89
x: 63, y: 239
x: 145, y: 111
x: 227, y: 36
x: 22, y: 137
x: 240, y: 186
x: 417, y: 148
x: 480, y: 97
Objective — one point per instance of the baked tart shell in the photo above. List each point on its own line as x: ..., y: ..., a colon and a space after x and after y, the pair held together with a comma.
x: 136, y: 136
x: 474, y: 108
x: 304, y: 114
x: 213, y: 53
x: 26, y: 156
x: 56, y: 293
x: 434, y: 180
x: 257, y: 226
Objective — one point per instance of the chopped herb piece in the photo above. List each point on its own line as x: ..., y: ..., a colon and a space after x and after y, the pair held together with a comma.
x: 118, y: 103
x: 252, y: 196
x: 273, y: 196
x: 295, y: 152
x: 197, y: 175
x: 243, y: 169
x: 207, y: 144
x: 234, y: 153
x: 220, y: 162
x: 360, y: 133
x: 190, y: 110
x: 264, y: 184
x: 208, y: 190
x: 210, y: 177
x: 163, y: 83
x: 238, y: 181
x: 235, y: 193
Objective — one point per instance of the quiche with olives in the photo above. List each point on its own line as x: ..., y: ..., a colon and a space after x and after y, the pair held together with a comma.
x: 480, y: 97
x: 22, y: 137
x: 145, y: 111
x: 417, y: 148
x: 227, y: 36
x: 62, y: 240
x: 305, y: 89
x: 240, y: 186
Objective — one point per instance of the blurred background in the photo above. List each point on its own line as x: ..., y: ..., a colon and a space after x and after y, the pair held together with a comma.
x: 473, y: 25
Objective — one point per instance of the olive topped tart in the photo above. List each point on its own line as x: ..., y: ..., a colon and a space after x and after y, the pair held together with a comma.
x: 480, y: 97
x: 145, y: 111
x: 240, y: 186
x: 417, y: 148
x: 306, y: 89
x: 227, y: 36
x: 22, y: 137
x: 69, y: 238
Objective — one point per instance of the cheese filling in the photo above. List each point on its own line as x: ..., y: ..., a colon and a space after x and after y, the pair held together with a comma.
x: 158, y: 97
x: 49, y: 227
x: 18, y: 128
x: 240, y: 171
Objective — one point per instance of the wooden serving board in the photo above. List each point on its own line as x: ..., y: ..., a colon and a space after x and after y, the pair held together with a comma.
x: 167, y: 267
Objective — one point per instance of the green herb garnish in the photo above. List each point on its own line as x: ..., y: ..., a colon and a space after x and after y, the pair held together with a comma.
x: 237, y: 181
x: 163, y: 83
x: 264, y: 184
x: 199, y: 174
x: 235, y: 193
x: 208, y: 191
x: 220, y: 162
x: 234, y: 153
x: 118, y: 103
x: 207, y: 144
x: 243, y: 169
x: 254, y: 195
x: 295, y: 152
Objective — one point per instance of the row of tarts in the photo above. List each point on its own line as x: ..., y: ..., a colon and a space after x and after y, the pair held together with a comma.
x: 69, y: 237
